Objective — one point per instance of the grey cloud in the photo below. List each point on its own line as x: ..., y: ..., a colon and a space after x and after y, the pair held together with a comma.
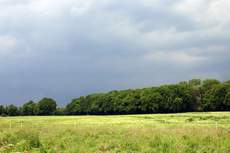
x: 64, y: 49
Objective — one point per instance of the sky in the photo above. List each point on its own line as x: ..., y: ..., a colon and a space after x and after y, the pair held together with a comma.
x: 68, y: 48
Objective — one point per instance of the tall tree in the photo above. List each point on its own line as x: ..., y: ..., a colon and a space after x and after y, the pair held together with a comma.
x: 12, y: 110
x: 30, y: 108
x: 47, y: 106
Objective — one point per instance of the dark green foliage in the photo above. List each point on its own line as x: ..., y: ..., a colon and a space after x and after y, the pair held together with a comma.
x: 182, y: 97
x: 227, y: 101
x: 59, y: 111
x: 186, y: 96
x: 2, y: 110
x: 74, y: 107
x: 47, y: 106
x: 150, y: 101
x: 194, y: 82
x: 30, y: 108
x: 209, y: 83
x: 216, y: 98
x: 12, y: 110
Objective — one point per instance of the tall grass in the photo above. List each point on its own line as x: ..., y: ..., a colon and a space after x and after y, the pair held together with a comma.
x: 162, y: 133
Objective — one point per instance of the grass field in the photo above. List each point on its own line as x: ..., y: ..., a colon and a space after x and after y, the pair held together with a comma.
x: 159, y: 133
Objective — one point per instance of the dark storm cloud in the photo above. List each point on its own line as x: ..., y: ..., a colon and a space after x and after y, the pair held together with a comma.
x: 64, y: 49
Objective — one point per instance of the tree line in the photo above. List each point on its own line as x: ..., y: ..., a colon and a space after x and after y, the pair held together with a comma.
x: 186, y: 96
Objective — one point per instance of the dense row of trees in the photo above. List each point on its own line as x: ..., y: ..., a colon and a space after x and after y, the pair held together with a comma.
x: 46, y: 106
x: 193, y: 95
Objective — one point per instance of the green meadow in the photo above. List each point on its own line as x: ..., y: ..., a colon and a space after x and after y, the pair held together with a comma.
x: 157, y: 133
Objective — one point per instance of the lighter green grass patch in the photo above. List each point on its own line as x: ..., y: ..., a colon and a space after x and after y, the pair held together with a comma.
x: 158, y: 133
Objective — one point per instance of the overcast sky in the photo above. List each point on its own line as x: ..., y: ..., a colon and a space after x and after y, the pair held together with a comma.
x: 67, y: 48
